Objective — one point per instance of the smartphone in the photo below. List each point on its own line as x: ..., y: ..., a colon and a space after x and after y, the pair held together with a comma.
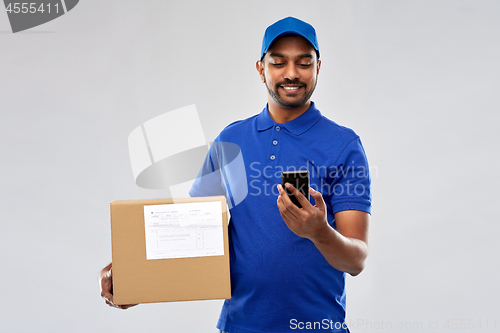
x: 299, y: 179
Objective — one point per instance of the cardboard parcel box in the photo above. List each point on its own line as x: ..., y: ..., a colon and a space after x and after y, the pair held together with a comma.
x: 167, y: 250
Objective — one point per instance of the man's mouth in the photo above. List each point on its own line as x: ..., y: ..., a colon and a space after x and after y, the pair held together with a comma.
x: 291, y: 89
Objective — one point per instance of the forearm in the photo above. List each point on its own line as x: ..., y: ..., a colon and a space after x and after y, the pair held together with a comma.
x: 345, y: 249
x: 343, y: 253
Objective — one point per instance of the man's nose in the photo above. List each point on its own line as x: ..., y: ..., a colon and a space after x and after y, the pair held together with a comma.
x: 291, y: 72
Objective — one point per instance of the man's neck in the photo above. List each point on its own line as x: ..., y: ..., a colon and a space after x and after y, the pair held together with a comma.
x: 282, y: 115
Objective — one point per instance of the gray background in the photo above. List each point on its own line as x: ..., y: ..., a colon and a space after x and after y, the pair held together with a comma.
x: 417, y: 80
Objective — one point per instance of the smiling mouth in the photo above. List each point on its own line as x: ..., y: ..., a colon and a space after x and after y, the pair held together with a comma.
x: 291, y: 89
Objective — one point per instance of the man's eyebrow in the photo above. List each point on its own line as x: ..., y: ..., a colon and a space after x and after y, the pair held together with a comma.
x: 306, y: 55
x: 276, y: 54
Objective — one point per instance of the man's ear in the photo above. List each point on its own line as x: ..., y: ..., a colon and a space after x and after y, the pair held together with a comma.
x: 259, y: 65
x: 319, y: 66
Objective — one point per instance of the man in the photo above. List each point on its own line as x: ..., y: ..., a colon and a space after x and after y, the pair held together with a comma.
x: 288, y: 264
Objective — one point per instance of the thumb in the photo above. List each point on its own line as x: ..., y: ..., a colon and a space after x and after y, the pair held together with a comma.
x: 320, y: 203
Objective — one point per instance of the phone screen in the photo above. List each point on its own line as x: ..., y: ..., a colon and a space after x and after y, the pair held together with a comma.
x: 299, y: 179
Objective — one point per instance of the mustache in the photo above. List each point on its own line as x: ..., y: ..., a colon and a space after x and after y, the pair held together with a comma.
x: 293, y: 82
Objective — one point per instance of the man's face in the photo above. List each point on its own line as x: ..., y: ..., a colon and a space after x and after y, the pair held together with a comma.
x: 290, y: 69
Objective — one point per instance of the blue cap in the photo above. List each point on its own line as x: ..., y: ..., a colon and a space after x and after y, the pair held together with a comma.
x: 289, y: 26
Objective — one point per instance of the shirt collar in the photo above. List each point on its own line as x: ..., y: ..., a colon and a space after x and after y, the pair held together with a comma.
x: 297, y: 126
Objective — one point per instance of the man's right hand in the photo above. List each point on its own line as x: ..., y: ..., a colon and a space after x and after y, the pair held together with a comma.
x: 106, y: 284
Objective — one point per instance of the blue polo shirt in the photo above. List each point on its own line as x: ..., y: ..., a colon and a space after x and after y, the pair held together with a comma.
x: 280, y: 281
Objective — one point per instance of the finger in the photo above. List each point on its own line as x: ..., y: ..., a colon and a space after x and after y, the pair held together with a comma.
x: 106, y: 286
x: 108, y: 302
x: 284, y: 212
x: 300, y: 197
x: 320, y: 202
x: 124, y: 306
x: 107, y: 295
x: 287, y: 202
x: 105, y: 277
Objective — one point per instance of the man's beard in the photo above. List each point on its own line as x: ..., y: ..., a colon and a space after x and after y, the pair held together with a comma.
x: 290, y: 105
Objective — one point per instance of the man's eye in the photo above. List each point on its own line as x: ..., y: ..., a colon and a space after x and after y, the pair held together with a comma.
x: 305, y: 65
x: 280, y: 64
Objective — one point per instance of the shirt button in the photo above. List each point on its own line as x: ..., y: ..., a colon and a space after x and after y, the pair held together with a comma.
x: 275, y: 142
x: 272, y: 157
x: 278, y: 128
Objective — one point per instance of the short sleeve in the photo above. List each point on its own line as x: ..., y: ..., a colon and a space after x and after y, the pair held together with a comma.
x: 350, y: 188
x: 222, y: 173
x: 209, y: 181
